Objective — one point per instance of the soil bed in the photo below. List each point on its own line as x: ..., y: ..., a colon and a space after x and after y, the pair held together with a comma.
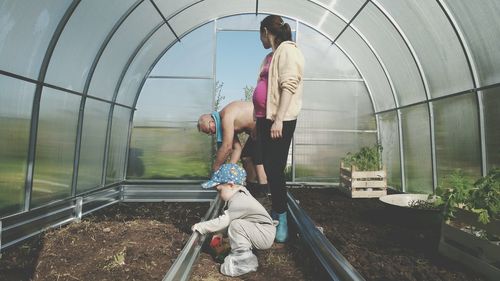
x: 291, y: 261
x: 126, y: 241
x: 366, y: 234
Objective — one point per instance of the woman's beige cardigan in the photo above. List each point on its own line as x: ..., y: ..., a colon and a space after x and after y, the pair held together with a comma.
x: 285, y: 75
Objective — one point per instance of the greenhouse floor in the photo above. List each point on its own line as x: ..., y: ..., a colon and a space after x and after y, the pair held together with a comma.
x: 376, y: 242
x: 126, y: 241
x: 140, y: 241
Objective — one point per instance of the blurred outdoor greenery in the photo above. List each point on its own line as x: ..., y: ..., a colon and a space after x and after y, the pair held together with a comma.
x: 169, y: 153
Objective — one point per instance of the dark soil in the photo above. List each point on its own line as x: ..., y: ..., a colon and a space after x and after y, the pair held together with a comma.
x: 376, y: 241
x: 290, y: 261
x: 126, y: 241
x: 140, y: 241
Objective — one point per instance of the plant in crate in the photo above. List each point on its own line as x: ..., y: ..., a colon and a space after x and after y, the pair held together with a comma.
x: 361, y: 173
x: 470, y: 230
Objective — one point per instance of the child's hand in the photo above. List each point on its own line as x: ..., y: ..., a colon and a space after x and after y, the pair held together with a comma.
x: 195, y: 227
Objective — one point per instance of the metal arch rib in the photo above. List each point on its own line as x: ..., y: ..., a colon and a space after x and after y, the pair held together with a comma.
x: 337, y: 267
x: 183, y: 265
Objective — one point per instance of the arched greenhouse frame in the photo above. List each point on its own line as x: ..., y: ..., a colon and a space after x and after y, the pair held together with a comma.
x: 99, y: 100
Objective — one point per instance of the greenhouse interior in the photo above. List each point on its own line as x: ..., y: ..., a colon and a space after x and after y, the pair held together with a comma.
x: 99, y: 106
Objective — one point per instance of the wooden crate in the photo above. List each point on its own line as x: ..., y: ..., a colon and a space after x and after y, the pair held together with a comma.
x: 477, y: 254
x: 363, y: 184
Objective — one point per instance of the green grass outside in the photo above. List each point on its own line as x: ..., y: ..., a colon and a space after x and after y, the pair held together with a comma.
x: 169, y: 153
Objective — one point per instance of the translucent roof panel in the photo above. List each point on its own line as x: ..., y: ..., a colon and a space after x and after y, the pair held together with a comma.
x: 435, y: 43
x: 205, y: 11
x: 369, y: 67
x: 247, y: 22
x: 200, y: 45
x: 142, y: 64
x: 324, y: 60
x: 110, y: 67
x: 80, y: 41
x: 346, y: 9
x: 26, y: 30
x: 481, y: 26
x: 396, y: 56
x: 308, y: 12
x: 169, y: 7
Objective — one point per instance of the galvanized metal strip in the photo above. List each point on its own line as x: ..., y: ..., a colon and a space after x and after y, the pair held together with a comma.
x: 183, y: 265
x: 337, y: 267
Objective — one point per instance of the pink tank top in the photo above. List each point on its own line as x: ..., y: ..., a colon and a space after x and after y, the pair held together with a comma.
x: 260, y: 93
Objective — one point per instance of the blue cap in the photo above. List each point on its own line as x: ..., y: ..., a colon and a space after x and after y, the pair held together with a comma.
x: 226, y: 173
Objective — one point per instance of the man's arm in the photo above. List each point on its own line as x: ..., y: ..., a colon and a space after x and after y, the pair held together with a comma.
x: 237, y: 149
x: 227, y: 142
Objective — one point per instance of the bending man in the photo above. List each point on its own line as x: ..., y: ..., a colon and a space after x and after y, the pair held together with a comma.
x: 236, y: 117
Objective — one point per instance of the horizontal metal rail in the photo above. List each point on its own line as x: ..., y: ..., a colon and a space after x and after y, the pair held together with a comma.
x: 183, y: 265
x: 337, y: 267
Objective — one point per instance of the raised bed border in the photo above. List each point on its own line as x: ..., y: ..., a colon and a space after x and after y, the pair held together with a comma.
x: 473, y: 252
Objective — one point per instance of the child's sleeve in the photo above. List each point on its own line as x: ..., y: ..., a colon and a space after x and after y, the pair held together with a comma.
x: 213, y: 225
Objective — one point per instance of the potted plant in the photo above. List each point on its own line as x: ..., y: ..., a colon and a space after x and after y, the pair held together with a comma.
x: 362, y: 174
x: 470, y: 231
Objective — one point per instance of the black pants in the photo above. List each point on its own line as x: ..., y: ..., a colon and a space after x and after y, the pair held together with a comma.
x: 274, y: 156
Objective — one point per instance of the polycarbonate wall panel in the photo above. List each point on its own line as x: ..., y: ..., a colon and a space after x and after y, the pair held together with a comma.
x: 317, y: 156
x: 480, y: 23
x: 417, y: 149
x: 82, y: 37
x: 343, y: 105
x: 92, y: 145
x: 141, y: 64
x: 165, y: 141
x: 55, y: 146
x: 391, y: 156
x: 118, y: 51
x: 308, y: 13
x: 173, y: 102
x: 27, y: 27
x: 491, y: 101
x: 16, y: 99
x: 435, y: 43
x: 344, y: 8
x: 199, y: 44
x: 323, y: 60
x: 457, y: 136
x: 207, y: 10
x: 169, y: 153
x: 118, y: 145
x: 395, y: 55
x: 370, y: 69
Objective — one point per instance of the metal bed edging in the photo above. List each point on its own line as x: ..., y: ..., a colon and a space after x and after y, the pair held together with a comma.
x: 183, y: 265
x: 337, y: 267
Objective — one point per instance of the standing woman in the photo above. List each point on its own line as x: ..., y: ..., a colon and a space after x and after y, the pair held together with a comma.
x: 277, y: 102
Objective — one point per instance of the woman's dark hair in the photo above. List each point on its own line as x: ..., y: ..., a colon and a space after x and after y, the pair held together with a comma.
x: 278, y: 28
